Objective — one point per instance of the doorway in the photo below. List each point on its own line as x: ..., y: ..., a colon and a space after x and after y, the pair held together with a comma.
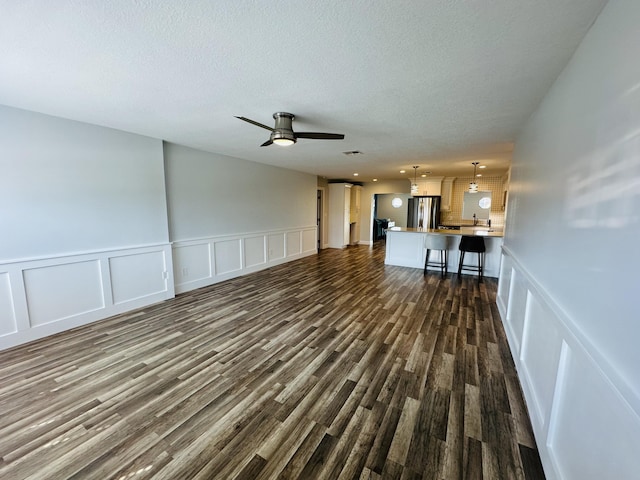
x: 319, y: 217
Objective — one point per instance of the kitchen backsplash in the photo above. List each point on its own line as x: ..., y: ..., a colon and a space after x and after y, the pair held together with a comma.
x: 496, y: 185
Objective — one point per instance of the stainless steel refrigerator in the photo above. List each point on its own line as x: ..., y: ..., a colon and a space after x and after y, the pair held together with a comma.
x: 424, y: 212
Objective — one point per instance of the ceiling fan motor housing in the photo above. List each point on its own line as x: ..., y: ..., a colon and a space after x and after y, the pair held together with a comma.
x: 284, y: 127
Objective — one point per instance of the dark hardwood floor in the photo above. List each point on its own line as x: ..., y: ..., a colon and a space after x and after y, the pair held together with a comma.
x: 333, y: 366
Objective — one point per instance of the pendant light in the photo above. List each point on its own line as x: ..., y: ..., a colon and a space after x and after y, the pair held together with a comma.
x: 473, y: 186
x: 414, y: 185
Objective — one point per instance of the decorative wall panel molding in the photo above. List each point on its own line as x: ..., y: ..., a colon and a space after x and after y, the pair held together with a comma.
x: 40, y: 297
x: 234, y: 255
x: 56, y: 292
x: 585, y: 418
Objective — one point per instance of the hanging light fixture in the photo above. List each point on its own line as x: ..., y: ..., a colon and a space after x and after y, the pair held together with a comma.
x: 473, y: 186
x: 414, y: 185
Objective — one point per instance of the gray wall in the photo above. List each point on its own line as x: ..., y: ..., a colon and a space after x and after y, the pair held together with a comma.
x: 569, y: 278
x: 210, y: 194
x: 69, y: 187
x: 573, y: 218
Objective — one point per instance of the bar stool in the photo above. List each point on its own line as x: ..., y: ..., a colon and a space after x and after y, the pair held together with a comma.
x: 436, y: 242
x: 469, y: 243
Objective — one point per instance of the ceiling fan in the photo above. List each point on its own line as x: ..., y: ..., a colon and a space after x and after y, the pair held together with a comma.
x: 283, y: 134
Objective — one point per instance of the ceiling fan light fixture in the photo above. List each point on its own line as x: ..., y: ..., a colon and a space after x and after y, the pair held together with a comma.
x: 282, y: 133
x: 283, y: 142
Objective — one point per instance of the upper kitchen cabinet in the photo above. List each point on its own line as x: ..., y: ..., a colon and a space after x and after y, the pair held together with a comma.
x: 447, y: 194
x: 356, y: 193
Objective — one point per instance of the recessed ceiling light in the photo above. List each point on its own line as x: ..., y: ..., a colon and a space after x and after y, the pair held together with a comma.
x: 479, y: 175
x: 375, y: 179
x: 355, y: 174
x: 482, y: 166
x: 402, y: 171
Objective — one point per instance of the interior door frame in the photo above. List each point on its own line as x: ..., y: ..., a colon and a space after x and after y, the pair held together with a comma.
x: 321, y: 217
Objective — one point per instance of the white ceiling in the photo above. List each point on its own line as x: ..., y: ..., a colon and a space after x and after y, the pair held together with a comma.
x: 434, y: 83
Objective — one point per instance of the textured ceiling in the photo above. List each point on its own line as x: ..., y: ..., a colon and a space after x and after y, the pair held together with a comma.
x: 434, y: 83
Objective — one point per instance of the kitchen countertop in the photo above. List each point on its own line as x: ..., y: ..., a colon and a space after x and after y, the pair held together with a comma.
x: 481, y: 232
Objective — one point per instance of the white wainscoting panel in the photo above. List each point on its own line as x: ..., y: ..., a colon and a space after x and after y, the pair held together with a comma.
x: 517, y: 307
x: 309, y: 240
x: 7, y: 311
x: 294, y: 244
x: 192, y: 262
x: 236, y: 255
x: 56, y: 292
x: 504, y: 282
x: 137, y: 276
x: 276, y: 246
x: 227, y: 255
x: 585, y: 426
x: 40, y: 297
x: 540, y: 357
x: 596, y: 427
x: 254, y: 252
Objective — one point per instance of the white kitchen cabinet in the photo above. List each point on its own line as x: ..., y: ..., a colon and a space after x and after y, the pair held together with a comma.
x: 447, y: 194
x: 339, y: 214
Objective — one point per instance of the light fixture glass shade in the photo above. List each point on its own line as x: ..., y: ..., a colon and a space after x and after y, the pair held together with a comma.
x: 414, y: 189
x: 283, y: 142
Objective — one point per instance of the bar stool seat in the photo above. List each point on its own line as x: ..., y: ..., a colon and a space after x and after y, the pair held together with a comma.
x: 436, y: 242
x: 470, y: 243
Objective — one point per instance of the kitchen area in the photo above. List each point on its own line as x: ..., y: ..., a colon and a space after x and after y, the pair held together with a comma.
x: 449, y: 207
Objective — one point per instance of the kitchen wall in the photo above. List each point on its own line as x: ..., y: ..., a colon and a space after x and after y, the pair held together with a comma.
x: 369, y: 189
x: 569, y: 275
x: 386, y: 210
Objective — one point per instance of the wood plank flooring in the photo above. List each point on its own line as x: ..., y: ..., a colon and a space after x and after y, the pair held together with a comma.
x: 330, y: 367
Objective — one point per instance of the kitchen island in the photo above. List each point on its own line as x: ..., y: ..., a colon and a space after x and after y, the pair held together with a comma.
x: 405, y: 247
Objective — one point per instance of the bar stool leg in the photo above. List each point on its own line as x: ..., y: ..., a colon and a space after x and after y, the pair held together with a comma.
x: 446, y: 262
x: 426, y: 262
x: 460, y: 262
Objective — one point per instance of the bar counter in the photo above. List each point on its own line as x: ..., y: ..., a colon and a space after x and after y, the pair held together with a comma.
x: 405, y: 247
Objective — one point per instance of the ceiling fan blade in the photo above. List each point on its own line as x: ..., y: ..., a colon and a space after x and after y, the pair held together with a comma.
x: 253, y: 122
x: 320, y: 136
x: 267, y: 143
